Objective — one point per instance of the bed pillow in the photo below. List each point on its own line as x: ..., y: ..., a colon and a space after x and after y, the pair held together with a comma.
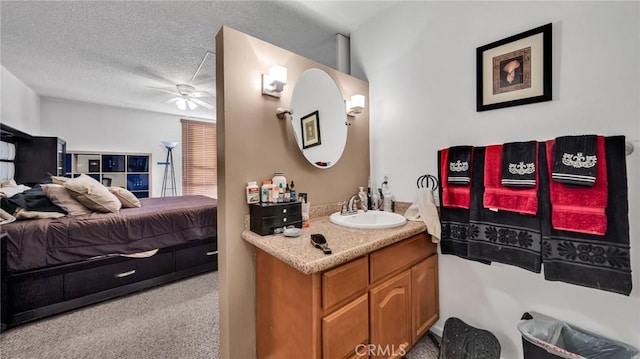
x: 59, y: 179
x: 128, y: 199
x: 92, y: 194
x: 61, y: 197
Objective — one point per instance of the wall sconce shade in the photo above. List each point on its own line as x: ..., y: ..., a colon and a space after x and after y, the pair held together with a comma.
x: 355, y: 105
x: 273, y: 83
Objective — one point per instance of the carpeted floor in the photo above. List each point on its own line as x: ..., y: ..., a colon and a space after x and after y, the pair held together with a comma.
x: 178, y: 320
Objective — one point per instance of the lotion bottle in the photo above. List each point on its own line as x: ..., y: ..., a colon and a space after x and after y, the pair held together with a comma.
x: 253, y: 193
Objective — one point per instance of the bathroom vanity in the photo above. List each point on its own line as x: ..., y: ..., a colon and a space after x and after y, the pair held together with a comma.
x: 376, y: 295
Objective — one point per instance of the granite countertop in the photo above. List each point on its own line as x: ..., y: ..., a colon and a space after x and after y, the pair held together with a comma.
x: 346, y: 243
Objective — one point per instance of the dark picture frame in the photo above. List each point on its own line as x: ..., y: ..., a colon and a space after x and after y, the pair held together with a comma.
x: 310, y: 125
x: 514, y: 71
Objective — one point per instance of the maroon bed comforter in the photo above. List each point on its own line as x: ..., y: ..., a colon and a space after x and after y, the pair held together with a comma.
x: 159, y: 223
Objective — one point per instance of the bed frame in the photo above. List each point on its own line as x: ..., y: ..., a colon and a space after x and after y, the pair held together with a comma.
x: 29, y: 295
x: 34, y: 294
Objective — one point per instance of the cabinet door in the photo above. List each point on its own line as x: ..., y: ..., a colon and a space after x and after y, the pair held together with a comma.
x: 424, y: 296
x: 346, y: 330
x: 390, y: 308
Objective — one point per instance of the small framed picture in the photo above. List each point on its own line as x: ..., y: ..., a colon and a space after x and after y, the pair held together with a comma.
x: 515, y: 70
x: 310, y: 130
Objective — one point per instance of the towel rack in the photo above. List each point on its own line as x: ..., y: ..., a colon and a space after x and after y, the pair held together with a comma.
x: 427, y: 181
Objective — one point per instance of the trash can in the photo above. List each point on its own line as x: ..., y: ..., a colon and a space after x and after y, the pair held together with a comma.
x: 544, y: 337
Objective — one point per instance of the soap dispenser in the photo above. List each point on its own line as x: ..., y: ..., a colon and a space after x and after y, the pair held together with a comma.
x: 364, y: 204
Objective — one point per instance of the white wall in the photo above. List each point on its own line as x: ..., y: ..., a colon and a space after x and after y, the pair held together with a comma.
x: 92, y: 127
x: 419, y: 59
x: 19, y: 104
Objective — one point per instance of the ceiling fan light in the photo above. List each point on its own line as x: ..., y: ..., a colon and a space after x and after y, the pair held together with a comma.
x: 182, y: 104
x: 192, y: 105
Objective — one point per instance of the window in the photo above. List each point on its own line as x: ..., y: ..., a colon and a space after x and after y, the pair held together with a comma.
x: 199, y: 170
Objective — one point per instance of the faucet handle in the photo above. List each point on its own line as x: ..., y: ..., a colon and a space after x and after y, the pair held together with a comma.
x: 343, y: 207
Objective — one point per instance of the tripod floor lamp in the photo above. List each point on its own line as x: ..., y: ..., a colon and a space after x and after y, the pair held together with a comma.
x: 169, y: 180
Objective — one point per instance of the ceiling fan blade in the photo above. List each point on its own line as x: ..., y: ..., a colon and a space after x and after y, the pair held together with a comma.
x: 202, y: 103
x: 201, y: 94
x: 172, y: 100
x: 173, y: 92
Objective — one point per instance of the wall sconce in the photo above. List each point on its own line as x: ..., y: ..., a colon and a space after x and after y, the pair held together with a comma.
x: 273, y: 83
x: 355, y: 105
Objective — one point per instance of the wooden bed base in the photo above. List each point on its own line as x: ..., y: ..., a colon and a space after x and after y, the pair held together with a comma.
x: 34, y: 294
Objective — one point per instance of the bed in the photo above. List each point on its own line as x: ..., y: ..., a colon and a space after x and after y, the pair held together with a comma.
x: 49, y: 266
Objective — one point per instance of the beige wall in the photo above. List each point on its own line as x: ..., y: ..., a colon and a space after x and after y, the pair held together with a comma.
x: 252, y: 145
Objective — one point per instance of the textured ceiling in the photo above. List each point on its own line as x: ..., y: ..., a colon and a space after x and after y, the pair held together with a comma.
x: 112, y: 52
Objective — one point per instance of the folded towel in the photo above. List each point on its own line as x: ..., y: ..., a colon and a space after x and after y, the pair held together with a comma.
x: 500, y: 236
x: 519, y: 164
x: 574, y: 160
x: 579, y: 208
x: 459, y: 171
x: 601, y: 262
x: 453, y: 221
x: 454, y: 196
x: 424, y: 209
x: 496, y: 196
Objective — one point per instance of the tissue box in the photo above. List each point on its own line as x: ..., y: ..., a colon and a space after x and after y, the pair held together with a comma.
x: 264, y: 218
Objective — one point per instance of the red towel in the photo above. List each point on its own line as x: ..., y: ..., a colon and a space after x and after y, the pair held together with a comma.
x: 456, y: 196
x: 580, y: 209
x: 521, y: 200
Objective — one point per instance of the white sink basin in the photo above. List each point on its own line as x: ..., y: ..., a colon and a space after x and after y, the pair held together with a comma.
x: 368, y: 220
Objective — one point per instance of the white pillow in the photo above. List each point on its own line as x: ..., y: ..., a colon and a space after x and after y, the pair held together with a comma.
x: 128, y: 199
x: 61, y: 197
x: 92, y: 194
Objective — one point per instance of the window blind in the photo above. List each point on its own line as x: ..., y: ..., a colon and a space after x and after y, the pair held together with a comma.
x: 199, y: 169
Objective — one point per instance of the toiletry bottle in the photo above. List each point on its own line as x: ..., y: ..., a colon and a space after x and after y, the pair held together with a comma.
x: 280, y: 193
x: 253, y: 193
x: 278, y: 178
x: 375, y: 199
x: 274, y: 194
x: 380, y: 200
x: 293, y: 192
x: 388, y: 197
x: 287, y: 194
x: 369, y: 198
x: 264, y: 191
x: 363, y: 199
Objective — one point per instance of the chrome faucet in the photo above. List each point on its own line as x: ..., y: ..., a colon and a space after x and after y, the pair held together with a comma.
x: 351, y: 206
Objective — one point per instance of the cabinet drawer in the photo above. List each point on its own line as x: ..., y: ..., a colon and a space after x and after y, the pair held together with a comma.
x: 400, y: 255
x: 195, y: 256
x: 344, y: 282
x: 344, y: 330
x: 89, y: 281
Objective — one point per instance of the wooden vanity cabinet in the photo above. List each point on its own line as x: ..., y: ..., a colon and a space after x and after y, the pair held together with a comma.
x: 377, y: 305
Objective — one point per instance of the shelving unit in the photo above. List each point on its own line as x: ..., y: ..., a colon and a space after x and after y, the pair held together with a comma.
x: 118, y: 169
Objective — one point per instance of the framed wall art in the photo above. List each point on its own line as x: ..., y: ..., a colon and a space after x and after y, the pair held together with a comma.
x: 515, y: 70
x: 310, y: 130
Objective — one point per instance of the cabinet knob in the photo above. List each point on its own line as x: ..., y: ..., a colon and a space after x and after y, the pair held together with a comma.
x: 284, y: 210
x: 284, y: 219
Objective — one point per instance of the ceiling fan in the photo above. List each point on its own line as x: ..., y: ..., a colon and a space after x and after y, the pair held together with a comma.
x: 186, y: 95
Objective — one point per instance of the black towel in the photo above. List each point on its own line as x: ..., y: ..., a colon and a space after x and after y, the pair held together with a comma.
x: 601, y: 262
x: 459, y: 169
x: 574, y: 160
x: 501, y: 236
x: 455, y: 225
x: 519, y: 164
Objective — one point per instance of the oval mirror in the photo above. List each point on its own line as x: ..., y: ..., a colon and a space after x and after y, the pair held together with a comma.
x: 319, y: 118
